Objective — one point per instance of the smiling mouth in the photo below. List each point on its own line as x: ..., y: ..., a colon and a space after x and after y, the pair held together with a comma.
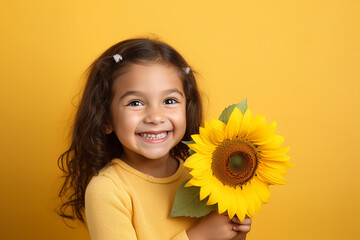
x: 151, y: 136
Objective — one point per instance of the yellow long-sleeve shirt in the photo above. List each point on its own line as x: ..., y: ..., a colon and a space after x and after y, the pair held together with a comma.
x: 124, y: 203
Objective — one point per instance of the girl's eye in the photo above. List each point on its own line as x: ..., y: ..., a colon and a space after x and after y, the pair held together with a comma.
x: 135, y: 103
x: 170, y: 101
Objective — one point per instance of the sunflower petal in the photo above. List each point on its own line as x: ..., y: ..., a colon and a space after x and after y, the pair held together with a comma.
x: 193, y: 182
x: 217, y: 131
x: 197, y: 138
x: 277, y: 164
x: 263, y: 137
x: 256, y: 127
x: 272, y: 177
x: 213, y: 198
x: 218, y: 196
x: 241, y: 204
x: 205, y: 190
x: 203, y: 178
x: 253, y: 200
x: 201, y: 148
x: 250, y: 199
x: 216, y: 193
x: 200, y: 171
x: 205, y: 133
x: 262, y: 189
x: 197, y: 160
x: 264, y: 133
x: 274, y: 155
x: 232, y: 209
x: 245, y: 123
x: 222, y: 205
x: 254, y: 123
x: 234, y: 123
x: 275, y: 143
x: 205, y: 146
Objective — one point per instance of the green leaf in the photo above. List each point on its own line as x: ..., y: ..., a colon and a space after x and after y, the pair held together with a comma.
x: 225, y: 115
x: 188, y: 142
x: 191, y: 152
x: 187, y: 203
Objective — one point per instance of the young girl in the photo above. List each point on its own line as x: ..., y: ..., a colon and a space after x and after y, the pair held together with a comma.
x: 125, y: 162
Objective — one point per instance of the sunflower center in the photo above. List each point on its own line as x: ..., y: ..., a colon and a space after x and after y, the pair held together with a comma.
x: 234, y: 162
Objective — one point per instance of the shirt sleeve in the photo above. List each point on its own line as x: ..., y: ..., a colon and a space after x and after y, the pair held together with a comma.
x: 181, y: 236
x: 108, y: 210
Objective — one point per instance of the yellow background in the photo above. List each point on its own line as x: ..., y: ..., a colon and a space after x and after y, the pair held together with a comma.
x: 296, y: 61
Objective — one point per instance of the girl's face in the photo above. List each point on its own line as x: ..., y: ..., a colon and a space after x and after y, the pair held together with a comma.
x: 148, y: 110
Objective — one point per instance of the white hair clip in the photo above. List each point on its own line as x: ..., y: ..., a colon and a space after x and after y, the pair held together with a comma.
x: 117, y: 58
x: 187, y: 70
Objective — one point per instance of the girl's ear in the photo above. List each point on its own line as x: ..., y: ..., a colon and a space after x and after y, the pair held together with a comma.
x: 107, y: 128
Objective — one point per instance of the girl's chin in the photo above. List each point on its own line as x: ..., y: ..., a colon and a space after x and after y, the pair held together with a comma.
x: 152, y: 156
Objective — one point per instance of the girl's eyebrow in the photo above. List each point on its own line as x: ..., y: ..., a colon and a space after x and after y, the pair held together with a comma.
x: 138, y: 93
x: 174, y: 90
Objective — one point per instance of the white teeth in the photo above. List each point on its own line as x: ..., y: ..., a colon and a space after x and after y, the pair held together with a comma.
x: 154, y: 136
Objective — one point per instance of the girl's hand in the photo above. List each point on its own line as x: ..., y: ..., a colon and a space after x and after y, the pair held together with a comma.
x: 215, y: 226
x: 241, y: 227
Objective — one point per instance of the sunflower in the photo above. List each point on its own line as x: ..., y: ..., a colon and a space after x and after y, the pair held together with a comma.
x: 235, y: 163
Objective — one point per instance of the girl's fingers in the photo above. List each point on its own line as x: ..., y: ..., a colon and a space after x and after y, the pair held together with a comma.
x: 241, y: 228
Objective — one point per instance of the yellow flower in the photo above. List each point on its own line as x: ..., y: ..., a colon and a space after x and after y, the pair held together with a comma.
x: 235, y: 163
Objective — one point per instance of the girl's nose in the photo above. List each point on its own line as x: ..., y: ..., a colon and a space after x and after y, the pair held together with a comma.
x: 154, y: 115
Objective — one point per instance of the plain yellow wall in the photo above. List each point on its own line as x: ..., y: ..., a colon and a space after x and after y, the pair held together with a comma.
x: 296, y: 61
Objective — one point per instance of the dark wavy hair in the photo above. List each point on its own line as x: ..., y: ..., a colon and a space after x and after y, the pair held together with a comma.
x: 91, y: 148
